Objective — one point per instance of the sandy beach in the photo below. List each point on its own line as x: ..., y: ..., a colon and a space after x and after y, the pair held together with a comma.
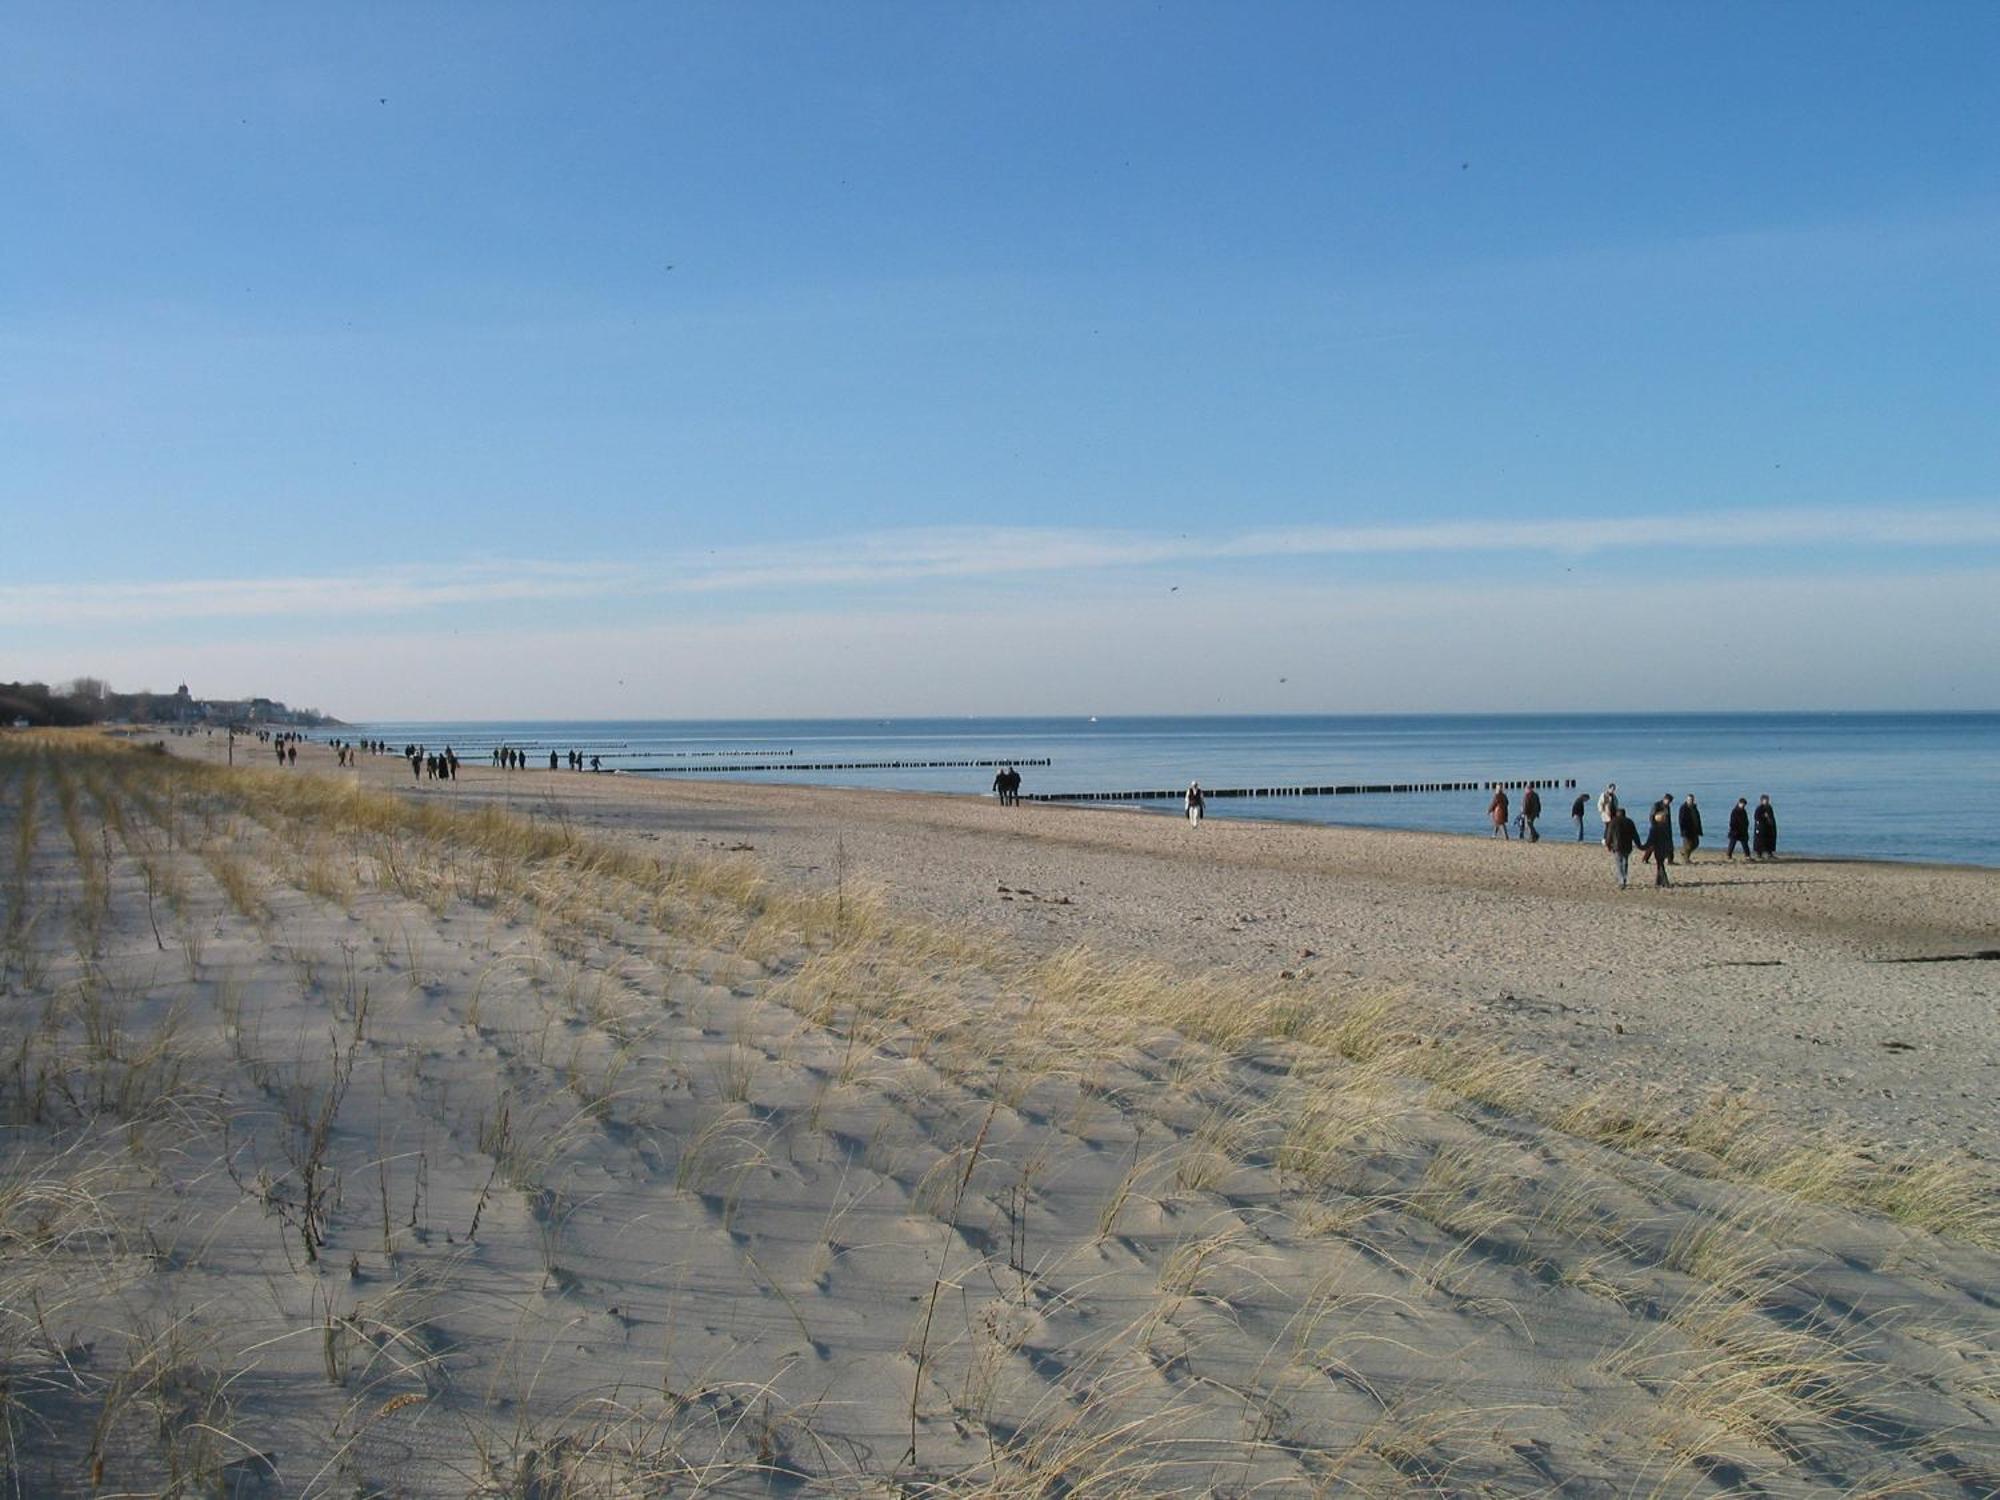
x: 556, y: 1134
x: 1829, y: 990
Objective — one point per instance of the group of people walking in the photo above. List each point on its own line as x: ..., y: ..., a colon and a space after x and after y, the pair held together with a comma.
x: 1524, y: 821
x: 507, y: 758
x: 1007, y: 786
x: 347, y: 753
x: 1755, y: 830
x: 426, y: 765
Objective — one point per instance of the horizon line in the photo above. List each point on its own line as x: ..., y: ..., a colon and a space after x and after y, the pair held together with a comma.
x: 1385, y: 713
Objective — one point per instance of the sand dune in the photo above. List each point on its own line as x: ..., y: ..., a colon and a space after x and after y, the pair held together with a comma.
x: 512, y: 1138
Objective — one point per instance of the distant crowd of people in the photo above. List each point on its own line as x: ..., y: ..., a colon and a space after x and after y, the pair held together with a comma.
x: 1754, y: 830
x: 348, y: 753
x: 425, y: 764
x: 430, y: 765
x: 285, y: 744
x: 507, y: 758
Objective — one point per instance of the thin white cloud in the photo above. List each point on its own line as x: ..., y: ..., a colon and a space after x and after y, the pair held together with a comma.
x: 1887, y: 527
x: 958, y: 553
x: 377, y: 592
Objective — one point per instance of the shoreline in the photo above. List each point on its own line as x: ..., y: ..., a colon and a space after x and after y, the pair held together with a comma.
x: 1903, y: 787
x: 721, y: 777
x: 1804, y: 857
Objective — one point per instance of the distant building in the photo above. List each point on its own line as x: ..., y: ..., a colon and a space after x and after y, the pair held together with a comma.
x: 253, y: 711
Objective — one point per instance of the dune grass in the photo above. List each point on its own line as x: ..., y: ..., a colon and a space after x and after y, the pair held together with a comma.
x: 1119, y: 1169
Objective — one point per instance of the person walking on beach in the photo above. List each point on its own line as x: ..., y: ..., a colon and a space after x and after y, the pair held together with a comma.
x: 1000, y: 785
x: 1531, y: 809
x: 1195, y: 802
x: 1660, y: 842
x: 1576, y: 811
x: 1621, y: 838
x: 1607, y: 809
x: 1497, y: 811
x: 1665, y: 804
x: 1765, y: 822
x: 1739, y: 828
x: 1690, y: 828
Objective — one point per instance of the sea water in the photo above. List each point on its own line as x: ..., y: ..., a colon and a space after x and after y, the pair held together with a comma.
x: 1921, y: 786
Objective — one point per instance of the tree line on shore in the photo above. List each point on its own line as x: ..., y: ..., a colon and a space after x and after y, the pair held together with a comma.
x: 91, y: 700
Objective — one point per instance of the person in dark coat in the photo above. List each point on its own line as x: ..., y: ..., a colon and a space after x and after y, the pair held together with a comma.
x: 1690, y: 828
x: 1531, y: 809
x: 1764, y: 840
x: 1660, y: 842
x: 1739, y: 827
x: 1497, y: 811
x: 1621, y: 837
x: 1576, y: 813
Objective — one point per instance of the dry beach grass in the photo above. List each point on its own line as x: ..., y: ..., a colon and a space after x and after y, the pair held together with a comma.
x: 367, y: 1143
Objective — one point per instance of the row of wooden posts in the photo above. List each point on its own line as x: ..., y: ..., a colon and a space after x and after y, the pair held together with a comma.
x: 1551, y: 783
x: 845, y: 765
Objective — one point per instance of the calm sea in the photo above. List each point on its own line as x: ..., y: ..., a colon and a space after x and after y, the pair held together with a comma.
x: 1876, y: 786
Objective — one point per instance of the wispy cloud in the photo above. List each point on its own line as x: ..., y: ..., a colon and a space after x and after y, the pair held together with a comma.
x: 1884, y: 527
x: 367, y: 595
x: 963, y: 553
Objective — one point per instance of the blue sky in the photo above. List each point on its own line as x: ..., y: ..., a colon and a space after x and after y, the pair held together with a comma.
x: 683, y: 360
